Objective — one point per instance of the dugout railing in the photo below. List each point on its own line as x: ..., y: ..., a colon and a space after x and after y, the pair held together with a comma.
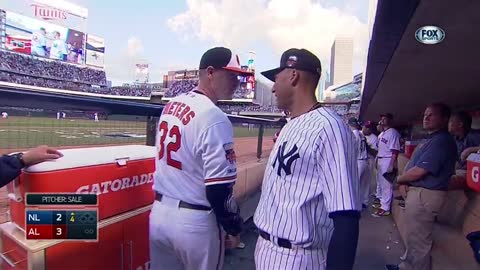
x: 80, y: 110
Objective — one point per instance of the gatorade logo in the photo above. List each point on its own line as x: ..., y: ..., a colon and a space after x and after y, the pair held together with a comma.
x: 475, y: 174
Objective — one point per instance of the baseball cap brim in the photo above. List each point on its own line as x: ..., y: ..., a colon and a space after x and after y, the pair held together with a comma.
x: 270, y: 74
x: 238, y: 70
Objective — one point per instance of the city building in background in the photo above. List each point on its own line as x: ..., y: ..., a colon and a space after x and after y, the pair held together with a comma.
x: 345, y: 92
x: 323, y: 84
x: 341, y: 63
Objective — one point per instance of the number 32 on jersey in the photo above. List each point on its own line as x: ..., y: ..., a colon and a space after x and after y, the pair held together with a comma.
x: 174, y: 145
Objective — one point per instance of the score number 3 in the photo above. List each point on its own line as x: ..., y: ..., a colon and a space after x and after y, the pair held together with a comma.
x: 173, y: 146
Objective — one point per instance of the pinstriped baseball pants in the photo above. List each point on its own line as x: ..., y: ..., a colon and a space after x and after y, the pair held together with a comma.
x: 269, y: 256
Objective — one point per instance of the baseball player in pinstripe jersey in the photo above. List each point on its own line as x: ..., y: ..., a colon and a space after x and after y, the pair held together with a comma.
x: 362, y: 162
x: 308, y: 212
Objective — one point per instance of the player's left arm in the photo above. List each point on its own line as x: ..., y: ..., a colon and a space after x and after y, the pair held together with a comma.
x: 10, y: 168
x: 336, y: 156
x: 394, y: 146
x: 220, y: 174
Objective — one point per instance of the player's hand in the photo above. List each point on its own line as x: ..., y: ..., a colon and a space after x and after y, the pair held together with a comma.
x: 40, y: 154
x: 231, y: 241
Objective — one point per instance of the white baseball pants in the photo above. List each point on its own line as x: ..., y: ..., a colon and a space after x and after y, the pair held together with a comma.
x: 386, y: 188
x: 269, y: 256
x: 184, y: 239
x: 364, y: 180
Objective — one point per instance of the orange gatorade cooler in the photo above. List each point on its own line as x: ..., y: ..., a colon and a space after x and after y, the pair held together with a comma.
x: 473, y: 172
x: 410, y: 147
x: 122, y: 176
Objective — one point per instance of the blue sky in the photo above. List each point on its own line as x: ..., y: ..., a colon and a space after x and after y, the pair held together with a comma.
x: 173, y: 34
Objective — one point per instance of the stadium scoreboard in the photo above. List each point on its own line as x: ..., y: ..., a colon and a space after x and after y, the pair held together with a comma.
x: 61, y: 217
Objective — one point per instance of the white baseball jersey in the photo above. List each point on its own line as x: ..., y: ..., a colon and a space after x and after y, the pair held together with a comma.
x: 388, y: 140
x: 194, y: 149
x: 372, y: 141
x: 38, y: 39
x: 361, y: 144
x: 312, y: 171
x: 58, y: 49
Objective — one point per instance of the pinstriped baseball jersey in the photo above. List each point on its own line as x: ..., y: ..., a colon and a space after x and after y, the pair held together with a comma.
x: 312, y: 171
x: 361, y: 142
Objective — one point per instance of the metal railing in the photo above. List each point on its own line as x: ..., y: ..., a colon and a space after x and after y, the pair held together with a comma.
x: 69, y: 121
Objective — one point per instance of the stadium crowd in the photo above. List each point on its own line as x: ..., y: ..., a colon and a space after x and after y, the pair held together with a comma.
x: 184, y: 86
x: 27, y: 70
x: 29, y: 65
x: 180, y: 87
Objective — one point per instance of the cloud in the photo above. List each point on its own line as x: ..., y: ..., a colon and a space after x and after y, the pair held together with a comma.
x: 134, y: 47
x: 120, y: 65
x: 278, y: 24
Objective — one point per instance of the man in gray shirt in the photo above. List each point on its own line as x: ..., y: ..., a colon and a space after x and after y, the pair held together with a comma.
x: 427, y: 176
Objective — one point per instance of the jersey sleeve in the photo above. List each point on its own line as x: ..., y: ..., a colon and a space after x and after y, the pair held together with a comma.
x: 374, y: 144
x: 337, y: 163
x: 218, y: 154
x: 394, y: 142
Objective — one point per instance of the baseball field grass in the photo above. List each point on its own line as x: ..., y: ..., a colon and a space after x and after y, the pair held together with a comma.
x: 25, y: 132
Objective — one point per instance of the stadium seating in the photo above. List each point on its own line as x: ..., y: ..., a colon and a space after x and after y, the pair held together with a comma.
x: 28, y: 70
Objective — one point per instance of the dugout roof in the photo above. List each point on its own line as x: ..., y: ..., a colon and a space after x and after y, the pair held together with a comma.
x: 404, y: 75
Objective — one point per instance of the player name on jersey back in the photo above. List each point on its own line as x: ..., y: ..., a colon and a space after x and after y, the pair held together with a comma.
x: 180, y: 110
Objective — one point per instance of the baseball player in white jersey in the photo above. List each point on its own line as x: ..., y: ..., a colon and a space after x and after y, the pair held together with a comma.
x: 388, y: 149
x: 195, y: 172
x: 308, y: 212
x: 372, y: 143
x: 39, y: 43
x: 59, y: 48
x: 362, y: 161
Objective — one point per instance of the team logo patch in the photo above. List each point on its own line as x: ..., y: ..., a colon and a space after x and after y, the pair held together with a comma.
x: 230, y: 153
x: 292, y: 61
x: 285, y: 159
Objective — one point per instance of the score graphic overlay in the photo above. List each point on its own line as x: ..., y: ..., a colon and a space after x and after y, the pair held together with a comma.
x: 78, y: 222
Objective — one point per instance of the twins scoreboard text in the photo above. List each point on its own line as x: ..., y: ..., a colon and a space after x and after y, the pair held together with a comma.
x: 47, y: 218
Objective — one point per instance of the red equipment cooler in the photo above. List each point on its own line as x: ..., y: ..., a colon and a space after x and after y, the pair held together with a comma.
x: 473, y: 172
x: 122, y: 176
x: 410, y: 147
x: 122, y: 244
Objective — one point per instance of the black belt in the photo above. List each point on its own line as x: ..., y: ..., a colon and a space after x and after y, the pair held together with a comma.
x: 383, y: 157
x: 281, y: 242
x: 183, y: 204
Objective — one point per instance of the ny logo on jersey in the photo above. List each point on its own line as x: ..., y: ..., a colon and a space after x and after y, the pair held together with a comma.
x: 289, y: 157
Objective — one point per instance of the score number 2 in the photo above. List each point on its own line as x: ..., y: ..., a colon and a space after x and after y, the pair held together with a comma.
x: 173, y: 146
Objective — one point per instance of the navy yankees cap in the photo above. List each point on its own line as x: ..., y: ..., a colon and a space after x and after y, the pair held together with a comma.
x: 222, y: 58
x: 300, y: 59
